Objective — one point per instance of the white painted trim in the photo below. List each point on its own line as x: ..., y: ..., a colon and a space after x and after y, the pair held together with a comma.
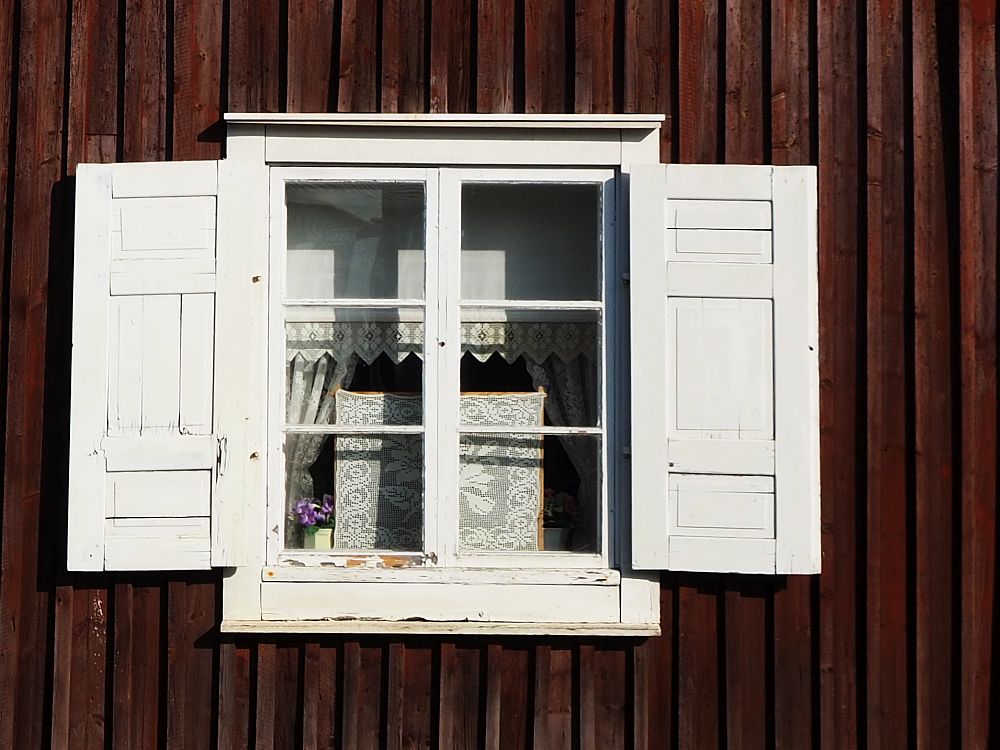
x: 377, y: 627
x: 796, y: 371
x: 429, y: 601
x: 88, y: 406
x: 648, y: 291
x: 467, y: 120
x: 303, y: 571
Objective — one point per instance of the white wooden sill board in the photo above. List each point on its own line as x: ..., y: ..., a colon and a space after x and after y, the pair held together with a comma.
x: 455, y: 120
x: 418, y: 627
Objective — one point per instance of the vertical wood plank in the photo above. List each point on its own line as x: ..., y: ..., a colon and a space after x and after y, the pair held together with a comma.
x: 369, y: 698
x: 33, y: 486
x: 416, y: 712
x: 495, y: 56
x: 546, y: 57
x: 234, y: 696
x: 287, y: 688
x: 609, y: 698
x: 553, y: 708
x: 886, y: 697
x: 698, y: 81
x: 254, y: 72
x: 197, y: 79
x: 792, y: 143
x: 451, y: 56
x: 935, y: 243
x: 137, y: 684
x: 653, y: 675
x: 358, y: 90
x: 978, y: 310
x: 594, y: 26
x: 267, y: 666
x: 311, y: 86
x: 350, y: 701
x: 648, y: 65
x: 404, y: 74
x: 191, y: 625
x: 460, y: 703
x: 319, y: 698
x: 698, y: 718
x: 515, y: 694
x: 745, y: 95
x: 839, y: 235
x: 145, y: 99
x: 92, y: 125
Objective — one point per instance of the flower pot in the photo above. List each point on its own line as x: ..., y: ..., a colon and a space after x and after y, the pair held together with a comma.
x: 556, y: 539
x: 321, y: 539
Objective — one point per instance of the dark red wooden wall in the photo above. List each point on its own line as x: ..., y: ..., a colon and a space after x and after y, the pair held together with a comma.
x: 895, y: 645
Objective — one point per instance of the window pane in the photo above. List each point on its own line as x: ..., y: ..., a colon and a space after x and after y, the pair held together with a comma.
x: 370, y: 351
x: 553, y: 353
x: 366, y: 488
x: 529, y: 493
x: 355, y: 240
x: 531, y: 241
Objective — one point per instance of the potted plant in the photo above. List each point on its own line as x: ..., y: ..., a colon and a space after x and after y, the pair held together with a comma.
x: 316, y: 517
x: 558, y: 520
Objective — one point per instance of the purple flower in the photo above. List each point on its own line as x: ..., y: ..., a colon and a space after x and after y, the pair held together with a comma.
x: 308, y: 512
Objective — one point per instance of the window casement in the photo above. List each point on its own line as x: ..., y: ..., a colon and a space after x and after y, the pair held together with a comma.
x: 444, y: 373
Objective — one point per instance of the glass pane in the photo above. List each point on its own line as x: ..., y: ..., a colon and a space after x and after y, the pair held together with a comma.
x: 355, y: 240
x: 539, y: 351
x: 531, y: 241
x: 529, y: 493
x: 373, y: 353
x: 354, y: 492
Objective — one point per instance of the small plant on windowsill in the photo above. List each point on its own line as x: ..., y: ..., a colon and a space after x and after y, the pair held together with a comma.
x: 316, y: 517
x: 558, y: 520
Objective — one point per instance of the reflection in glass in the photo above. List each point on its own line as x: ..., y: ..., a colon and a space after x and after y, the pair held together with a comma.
x: 355, y: 240
x: 531, y: 241
x: 367, y: 488
x: 527, y: 493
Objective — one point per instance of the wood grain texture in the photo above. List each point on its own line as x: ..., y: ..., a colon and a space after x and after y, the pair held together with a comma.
x: 254, y: 80
x: 37, y: 212
x: 840, y: 232
x: 546, y: 57
x: 886, y: 516
x: 404, y: 73
x: 978, y: 355
x: 146, y: 86
x: 495, y: 56
x: 451, y: 42
x: 311, y: 83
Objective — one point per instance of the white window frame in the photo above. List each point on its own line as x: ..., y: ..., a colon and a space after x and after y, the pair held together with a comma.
x: 441, y: 309
x: 598, y: 595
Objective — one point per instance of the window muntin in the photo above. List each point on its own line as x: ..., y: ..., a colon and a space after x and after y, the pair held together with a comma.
x: 572, y: 319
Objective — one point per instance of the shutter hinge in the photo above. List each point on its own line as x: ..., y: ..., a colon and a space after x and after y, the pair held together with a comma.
x: 627, y: 451
x: 222, y: 455
x: 626, y: 278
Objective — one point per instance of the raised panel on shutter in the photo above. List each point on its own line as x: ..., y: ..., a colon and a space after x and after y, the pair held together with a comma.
x: 142, y: 448
x: 725, y: 398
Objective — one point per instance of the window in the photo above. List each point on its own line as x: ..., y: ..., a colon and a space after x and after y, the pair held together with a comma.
x: 390, y: 387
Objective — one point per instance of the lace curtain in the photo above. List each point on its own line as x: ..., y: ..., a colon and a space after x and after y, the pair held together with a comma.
x: 312, y: 383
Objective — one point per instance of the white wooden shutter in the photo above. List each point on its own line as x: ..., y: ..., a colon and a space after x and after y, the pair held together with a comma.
x: 143, y: 449
x: 725, y: 384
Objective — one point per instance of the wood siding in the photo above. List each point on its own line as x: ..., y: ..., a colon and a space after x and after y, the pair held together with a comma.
x: 895, y: 645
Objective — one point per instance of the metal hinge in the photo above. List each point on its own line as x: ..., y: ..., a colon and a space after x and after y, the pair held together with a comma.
x: 222, y: 455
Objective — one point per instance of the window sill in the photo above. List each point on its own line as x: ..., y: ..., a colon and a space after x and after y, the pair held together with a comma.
x: 423, y: 627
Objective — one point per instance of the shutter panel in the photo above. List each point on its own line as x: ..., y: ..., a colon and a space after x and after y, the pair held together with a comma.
x: 142, y: 448
x: 725, y: 376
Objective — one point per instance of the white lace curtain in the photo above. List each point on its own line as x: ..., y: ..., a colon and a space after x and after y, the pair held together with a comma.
x: 322, y: 356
